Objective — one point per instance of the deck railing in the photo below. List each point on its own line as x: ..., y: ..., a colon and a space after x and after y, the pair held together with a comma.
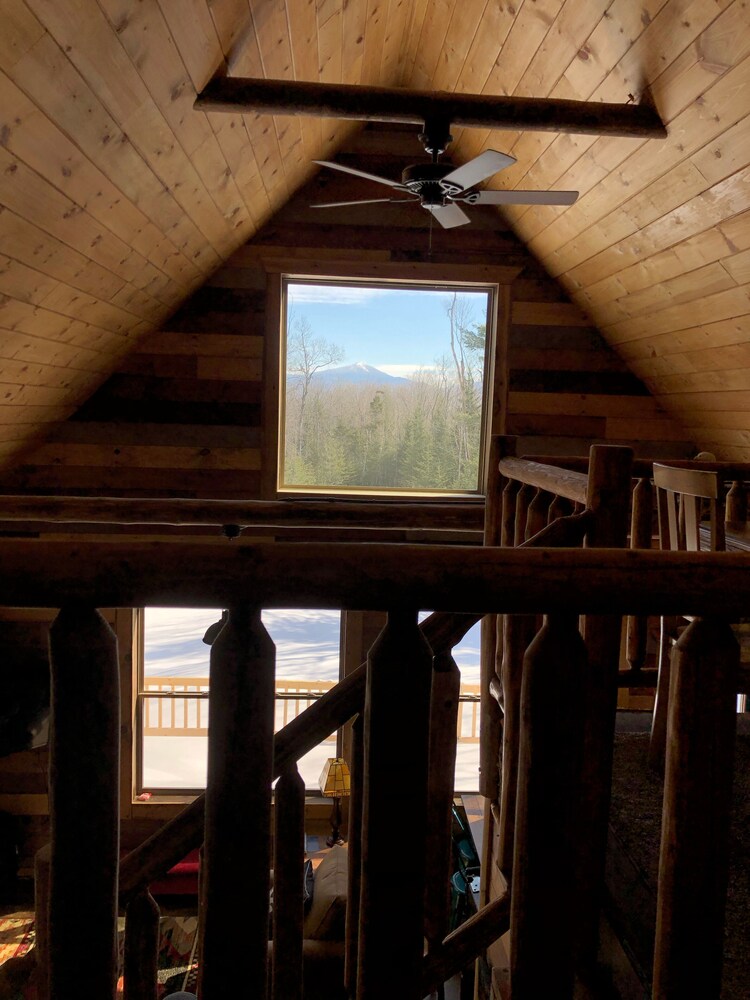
x: 568, y: 689
x: 178, y: 706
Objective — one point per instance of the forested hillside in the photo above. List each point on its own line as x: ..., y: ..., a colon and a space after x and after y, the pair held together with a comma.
x: 355, y: 426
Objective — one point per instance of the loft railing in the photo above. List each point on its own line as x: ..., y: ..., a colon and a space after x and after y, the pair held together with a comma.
x: 555, y: 843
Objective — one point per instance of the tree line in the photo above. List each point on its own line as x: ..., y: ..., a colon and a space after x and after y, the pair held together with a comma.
x: 422, y: 434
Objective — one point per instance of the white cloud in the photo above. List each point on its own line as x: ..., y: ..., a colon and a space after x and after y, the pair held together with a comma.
x: 347, y: 295
x: 405, y: 371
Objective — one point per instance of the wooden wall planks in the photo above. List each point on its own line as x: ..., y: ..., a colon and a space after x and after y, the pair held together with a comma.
x: 182, y: 415
x: 117, y: 200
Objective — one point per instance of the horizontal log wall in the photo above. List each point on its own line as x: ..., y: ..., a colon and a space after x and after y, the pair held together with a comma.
x: 182, y: 414
x: 567, y: 388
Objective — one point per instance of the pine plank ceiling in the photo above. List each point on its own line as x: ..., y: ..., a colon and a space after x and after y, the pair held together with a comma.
x: 118, y: 199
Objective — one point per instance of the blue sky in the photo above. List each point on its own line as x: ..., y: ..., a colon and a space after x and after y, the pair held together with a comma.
x: 396, y: 330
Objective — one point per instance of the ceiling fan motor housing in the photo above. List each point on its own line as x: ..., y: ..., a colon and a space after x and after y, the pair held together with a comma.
x: 426, y: 180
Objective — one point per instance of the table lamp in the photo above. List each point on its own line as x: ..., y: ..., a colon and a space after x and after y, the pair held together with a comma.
x: 335, y: 782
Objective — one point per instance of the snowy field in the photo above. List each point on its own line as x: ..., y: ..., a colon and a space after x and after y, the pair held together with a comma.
x: 307, y: 648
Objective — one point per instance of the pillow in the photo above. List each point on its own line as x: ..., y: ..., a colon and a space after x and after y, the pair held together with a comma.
x: 326, y: 920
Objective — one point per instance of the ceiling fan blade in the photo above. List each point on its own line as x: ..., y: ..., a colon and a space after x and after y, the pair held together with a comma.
x: 478, y: 169
x: 522, y: 197
x: 361, y: 173
x: 361, y: 201
x: 449, y: 215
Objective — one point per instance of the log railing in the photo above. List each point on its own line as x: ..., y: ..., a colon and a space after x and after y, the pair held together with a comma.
x: 536, y: 500
x: 551, y: 843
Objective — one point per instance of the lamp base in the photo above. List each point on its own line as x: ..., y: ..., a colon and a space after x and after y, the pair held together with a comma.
x: 335, y: 822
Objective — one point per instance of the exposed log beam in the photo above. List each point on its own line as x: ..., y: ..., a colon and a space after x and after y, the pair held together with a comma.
x: 389, y: 104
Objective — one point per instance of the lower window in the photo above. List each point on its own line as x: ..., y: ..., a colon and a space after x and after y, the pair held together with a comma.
x: 173, y: 681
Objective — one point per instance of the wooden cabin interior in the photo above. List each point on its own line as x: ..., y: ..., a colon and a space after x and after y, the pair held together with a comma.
x: 145, y: 241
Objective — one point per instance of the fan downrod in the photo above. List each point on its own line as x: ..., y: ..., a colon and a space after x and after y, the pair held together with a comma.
x: 436, y: 136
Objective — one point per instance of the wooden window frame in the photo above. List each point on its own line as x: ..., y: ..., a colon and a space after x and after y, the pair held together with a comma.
x: 452, y: 275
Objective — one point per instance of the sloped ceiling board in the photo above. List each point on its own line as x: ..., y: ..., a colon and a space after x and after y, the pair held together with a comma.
x: 117, y: 199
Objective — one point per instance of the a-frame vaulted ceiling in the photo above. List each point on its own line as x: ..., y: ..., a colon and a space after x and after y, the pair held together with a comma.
x: 117, y: 198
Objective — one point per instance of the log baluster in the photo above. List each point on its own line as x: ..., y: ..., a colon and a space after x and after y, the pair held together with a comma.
x: 559, y: 507
x: 508, y: 524
x: 536, y: 515
x: 288, y: 896
x: 141, y: 947
x: 491, y: 634
x: 518, y: 632
x: 354, y: 829
x: 84, y: 804
x: 608, y: 498
x: 237, y: 846
x: 395, y: 806
x: 523, y: 500
x: 736, y: 503
x: 547, y: 818
x: 444, y: 705
x: 693, y: 861
x: 641, y: 529
x: 41, y: 919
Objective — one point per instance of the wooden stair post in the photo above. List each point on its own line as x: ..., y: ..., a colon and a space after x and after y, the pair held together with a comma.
x: 693, y: 862
x: 141, y: 947
x: 444, y: 705
x: 354, y: 830
x: 84, y: 804
x: 288, y: 895
x: 237, y: 848
x: 394, y: 821
x: 608, y: 498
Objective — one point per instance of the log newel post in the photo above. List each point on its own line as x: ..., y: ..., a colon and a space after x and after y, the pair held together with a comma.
x: 356, y: 769
x: 446, y: 688
x: 395, y: 808
x: 641, y: 528
x: 141, y: 947
x: 288, y: 896
x: 84, y: 804
x: 608, y: 498
x: 693, y: 862
x: 547, y: 816
x: 237, y: 844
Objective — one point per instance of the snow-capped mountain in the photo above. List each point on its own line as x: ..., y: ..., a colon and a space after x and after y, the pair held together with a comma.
x: 358, y: 373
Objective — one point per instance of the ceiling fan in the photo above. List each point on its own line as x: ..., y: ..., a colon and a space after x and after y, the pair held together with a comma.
x: 442, y: 189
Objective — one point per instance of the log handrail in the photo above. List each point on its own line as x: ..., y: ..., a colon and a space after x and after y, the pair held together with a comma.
x: 545, y: 476
x: 465, y: 579
x: 301, y: 512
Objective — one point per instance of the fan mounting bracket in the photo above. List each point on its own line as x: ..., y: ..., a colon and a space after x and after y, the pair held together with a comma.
x: 436, y: 136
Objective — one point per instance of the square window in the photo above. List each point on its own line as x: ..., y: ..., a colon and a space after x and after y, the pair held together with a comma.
x: 385, y: 388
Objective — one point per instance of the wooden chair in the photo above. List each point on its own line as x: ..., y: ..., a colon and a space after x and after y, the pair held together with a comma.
x: 685, y: 499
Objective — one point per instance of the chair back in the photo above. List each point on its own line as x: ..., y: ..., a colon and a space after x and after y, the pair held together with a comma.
x: 682, y: 496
